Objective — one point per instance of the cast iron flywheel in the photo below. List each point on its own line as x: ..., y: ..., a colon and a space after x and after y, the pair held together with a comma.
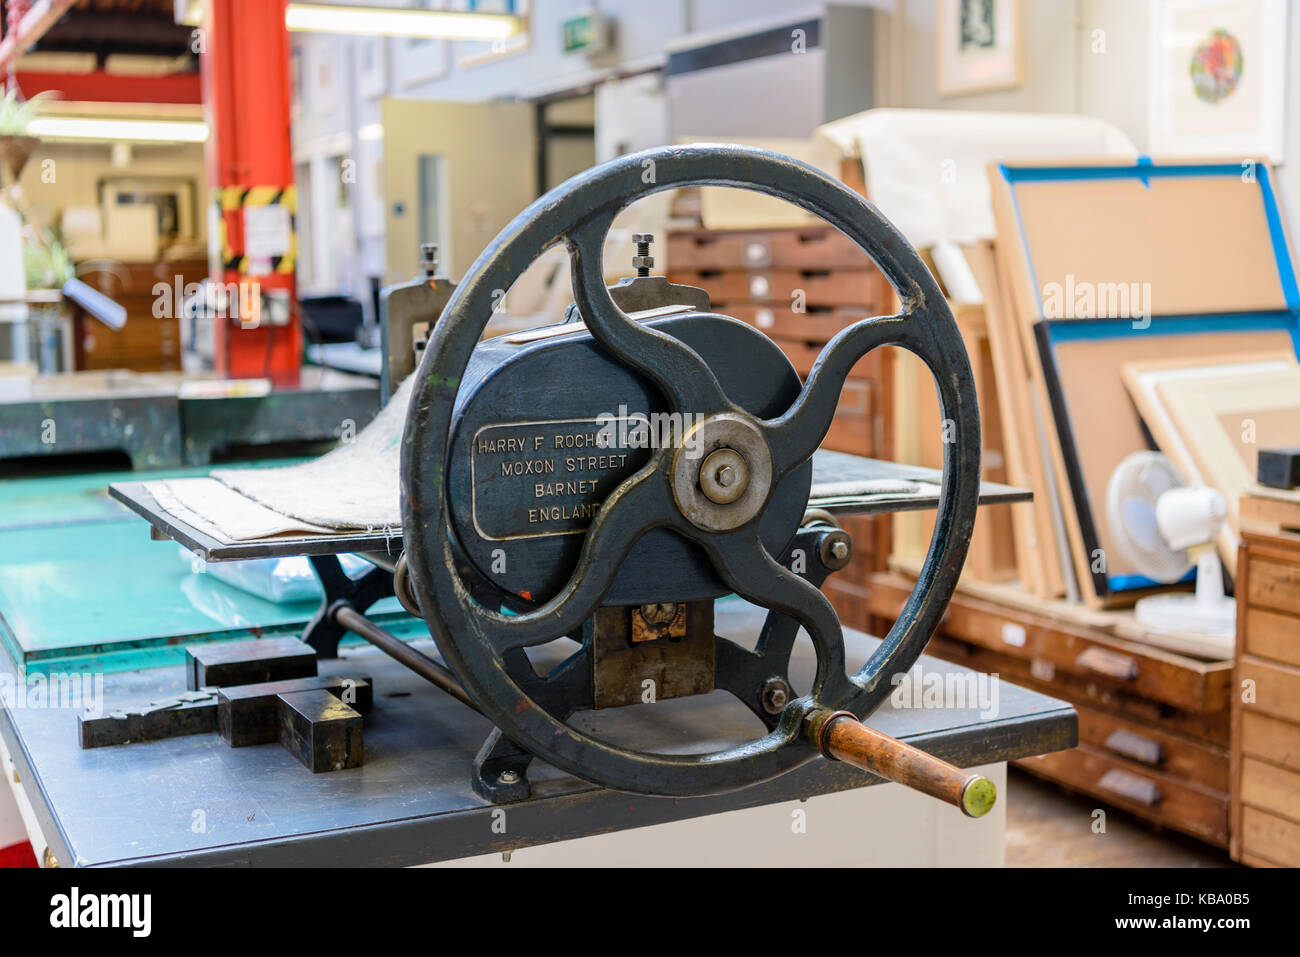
x: 474, y: 638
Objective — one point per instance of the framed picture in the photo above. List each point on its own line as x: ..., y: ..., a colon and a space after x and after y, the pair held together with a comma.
x: 1218, y: 78
x: 979, y: 45
x: 173, y: 198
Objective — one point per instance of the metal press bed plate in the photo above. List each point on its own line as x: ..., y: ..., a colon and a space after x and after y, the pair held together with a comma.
x: 842, y: 485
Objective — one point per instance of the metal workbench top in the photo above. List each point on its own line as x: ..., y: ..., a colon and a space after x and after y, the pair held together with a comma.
x: 195, y: 801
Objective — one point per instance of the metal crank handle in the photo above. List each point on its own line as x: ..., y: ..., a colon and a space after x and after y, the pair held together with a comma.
x: 840, y: 736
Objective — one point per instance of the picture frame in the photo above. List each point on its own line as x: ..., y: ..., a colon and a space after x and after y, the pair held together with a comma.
x: 174, y: 198
x: 1217, y: 84
x: 979, y: 45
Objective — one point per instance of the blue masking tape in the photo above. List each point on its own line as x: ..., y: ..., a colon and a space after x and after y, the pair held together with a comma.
x: 1130, y: 582
x: 1075, y: 330
x: 1143, y: 169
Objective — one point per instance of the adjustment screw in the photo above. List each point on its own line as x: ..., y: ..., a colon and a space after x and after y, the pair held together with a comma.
x: 643, y: 262
x: 775, y: 695
x: 508, y: 777
x: 429, y: 258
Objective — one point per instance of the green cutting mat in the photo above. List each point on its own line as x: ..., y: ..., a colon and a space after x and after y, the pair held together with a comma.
x: 83, y: 587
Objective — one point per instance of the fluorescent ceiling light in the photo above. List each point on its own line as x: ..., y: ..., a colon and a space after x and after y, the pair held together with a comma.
x: 141, y: 131
x: 394, y: 22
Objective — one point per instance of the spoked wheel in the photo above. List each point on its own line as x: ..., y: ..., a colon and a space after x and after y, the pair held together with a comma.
x: 712, y: 490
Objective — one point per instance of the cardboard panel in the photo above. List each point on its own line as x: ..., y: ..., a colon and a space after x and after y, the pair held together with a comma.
x: 1097, y: 424
x: 1201, y: 243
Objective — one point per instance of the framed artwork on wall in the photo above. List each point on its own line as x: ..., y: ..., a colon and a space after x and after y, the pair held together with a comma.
x: 1218, y: 78
x: 979, y: 45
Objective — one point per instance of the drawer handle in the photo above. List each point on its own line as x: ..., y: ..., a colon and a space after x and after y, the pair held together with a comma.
x: 1130, y: 786
x: 1109, y: 663
x: 1136, y: 747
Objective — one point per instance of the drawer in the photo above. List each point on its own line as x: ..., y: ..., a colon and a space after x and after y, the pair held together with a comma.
x: 1271, y: 634
x: 786, y: 286
x: 1277, y: 687
x: 1273, y: 585
x: 799, y: 248
x: 1136, y: 669
x: 1270, y: 838
x: 1155, y: 748
x: 1269, y: 738
x: 1212, y: 728
x: 870, y: 536
x: 803, y: 356
x: 849, y: 601
x: 1162, y: 798
x: 818, y: 325
x: 1270, y: 788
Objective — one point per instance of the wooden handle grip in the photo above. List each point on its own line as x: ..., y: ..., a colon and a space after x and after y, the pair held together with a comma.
x: 844, y: 737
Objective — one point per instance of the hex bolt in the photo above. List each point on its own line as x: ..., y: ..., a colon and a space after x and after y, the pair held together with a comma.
x: 836, y: 549
x: 508, y: 777
x: 775, y: 695
x: 643, y: 262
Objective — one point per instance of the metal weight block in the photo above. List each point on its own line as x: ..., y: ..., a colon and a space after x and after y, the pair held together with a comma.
x: 320, y: 730
x: 227, y: 663
x: 249, y: 714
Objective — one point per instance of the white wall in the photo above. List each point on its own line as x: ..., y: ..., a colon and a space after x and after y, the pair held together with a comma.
x: 1086, y: 56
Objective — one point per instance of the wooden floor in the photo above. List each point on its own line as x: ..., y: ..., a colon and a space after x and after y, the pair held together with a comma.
x: 1048, y: 826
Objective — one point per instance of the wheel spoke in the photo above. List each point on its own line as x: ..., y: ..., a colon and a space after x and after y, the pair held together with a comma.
x: 754, y: 575
x: 682, y: 376
x: 641, y: 503
x: 797, y: 434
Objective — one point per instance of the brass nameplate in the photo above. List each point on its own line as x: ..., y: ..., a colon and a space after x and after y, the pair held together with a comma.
x: 546, y: 478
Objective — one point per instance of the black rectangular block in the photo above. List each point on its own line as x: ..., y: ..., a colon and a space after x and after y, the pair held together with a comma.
x: 320, y: 730
x: 249, y: 714
x: 227, y: 663
x: 126, y: 727
x: 1278, y: 468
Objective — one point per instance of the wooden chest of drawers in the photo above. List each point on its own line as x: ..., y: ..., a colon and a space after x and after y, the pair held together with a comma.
x: 801, y: 287
x: 148, y: 342
x: 1153, y: 725
x: 1266, y: 702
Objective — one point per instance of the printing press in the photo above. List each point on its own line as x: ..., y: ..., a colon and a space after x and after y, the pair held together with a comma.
x: 581, y: 502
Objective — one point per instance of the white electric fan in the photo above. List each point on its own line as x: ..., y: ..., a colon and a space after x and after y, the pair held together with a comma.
x: 1165, y: 528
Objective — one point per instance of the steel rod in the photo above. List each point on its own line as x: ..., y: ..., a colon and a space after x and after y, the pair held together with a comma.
x: 433, y: 671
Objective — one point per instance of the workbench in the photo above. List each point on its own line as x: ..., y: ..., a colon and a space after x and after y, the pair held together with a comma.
x: 158, y: 421
x: 83, y: 589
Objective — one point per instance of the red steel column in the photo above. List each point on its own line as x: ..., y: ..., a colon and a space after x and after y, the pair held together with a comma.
x: 247, y: 97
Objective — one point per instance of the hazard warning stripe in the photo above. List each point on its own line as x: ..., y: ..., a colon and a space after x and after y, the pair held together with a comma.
x: 235, y: 198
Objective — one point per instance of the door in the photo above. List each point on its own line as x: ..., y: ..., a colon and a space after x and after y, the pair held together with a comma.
x: 456, y: 174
